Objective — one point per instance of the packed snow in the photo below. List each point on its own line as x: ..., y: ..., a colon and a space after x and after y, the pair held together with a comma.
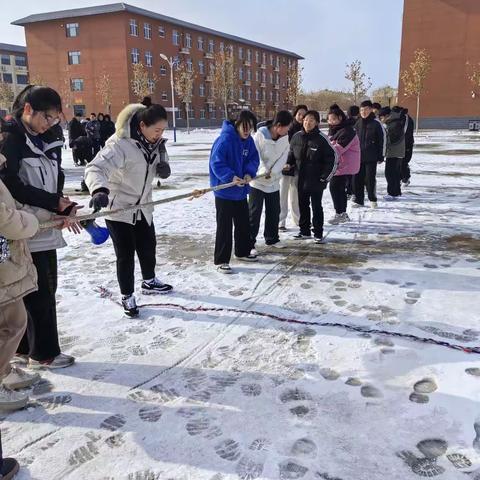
x: 231, y: 394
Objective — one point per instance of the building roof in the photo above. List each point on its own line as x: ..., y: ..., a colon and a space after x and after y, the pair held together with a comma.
x: 12, y: 48
x: 124, y: 7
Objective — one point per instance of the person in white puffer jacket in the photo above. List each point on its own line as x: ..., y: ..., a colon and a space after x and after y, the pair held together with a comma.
x: 272, y: 144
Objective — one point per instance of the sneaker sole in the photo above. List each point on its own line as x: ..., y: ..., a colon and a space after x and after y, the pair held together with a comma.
x: 225, y: 272
x: 49, y: 367
x: 20, y: 385
x: 247, y: 260
x: 12, y: 407
x: 155, y: 292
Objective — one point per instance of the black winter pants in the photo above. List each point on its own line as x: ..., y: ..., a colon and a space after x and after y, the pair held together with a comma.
x: 366, y: 177
x: 393, y: 174
x: 338, y: 190
x: 40, y: 341
x: 405, y: 165
x: 128, y: 239
x: 272, y: 214
x: 231, y: 212
x: 305, y: 224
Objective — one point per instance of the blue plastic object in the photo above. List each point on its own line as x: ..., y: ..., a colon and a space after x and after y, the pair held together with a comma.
x: 99, y: 234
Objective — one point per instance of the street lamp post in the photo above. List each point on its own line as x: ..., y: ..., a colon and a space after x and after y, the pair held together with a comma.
x: 170, y: 63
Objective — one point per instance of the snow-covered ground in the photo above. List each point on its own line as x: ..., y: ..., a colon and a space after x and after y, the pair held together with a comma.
x: 224, y: 395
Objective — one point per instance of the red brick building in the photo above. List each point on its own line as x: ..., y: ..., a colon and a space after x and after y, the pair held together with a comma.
x: 450, y: 31
x: 72, y: 50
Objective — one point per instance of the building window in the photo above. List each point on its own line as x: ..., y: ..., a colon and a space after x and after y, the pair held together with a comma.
x: 211, y: 111
x: 240, y: 73
x: 201, y: 90
x: 76, y: 84
x: 72, y: 30
x: 211, y: 68
x: 73, y: 58
x: 5, y: 59
x: 201, y: 67
x: 211, y: 46
x: 22, y: 79
x: 264, y: 95
x: 271, y: 95
x: 148, y: 59
x: 257, y: 95
x: 151, y: 85
x: 163, y: 71
x: 161, y: 31
x: 222, y: 47
x: 249, y: 55
x: 264, y: 58
x: 7, y: 78
x: 188, y: 40
x: 249, y: 94
x: 147, y: 31
x: 240, y: 53
x: 264, y: 77
x: 200, y: 43
x: 191, y: 112
x: 249, y: 75
x: 277, y: 96
x: 202, y: 114
x: 189, y: 65
x: 79, y: 110
x: 135, y: 55
x: 179, y: 114
x: 20, y: 61
x: 271, y: 78
x: 176, y: 37
x: 176, y: 62
x: 133, y: 28
x: 257, y: 76
x: 277, y: 79
x: 257, y: 56
x: 240, y: 93
x: 164, y: 96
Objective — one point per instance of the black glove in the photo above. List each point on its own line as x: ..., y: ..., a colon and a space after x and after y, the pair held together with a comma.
x: 163, y: 170
x: 98, y: 201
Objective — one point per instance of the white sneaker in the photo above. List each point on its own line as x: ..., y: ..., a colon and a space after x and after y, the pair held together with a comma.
x: 11, y: 400
x: 345, y: 218
x: 357, y: 205
x: 278, y: 244
x: 19, y: 360
x: 248, y: 258
x: 224, y: 268
x: 389, y: 198
x: 253, y: 252
x: 18, y: 378
x: 336, y: 219
x: 61, y: 361
x: 373, y: 204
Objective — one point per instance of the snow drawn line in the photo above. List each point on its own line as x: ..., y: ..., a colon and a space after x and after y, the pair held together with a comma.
x: 105, y: 293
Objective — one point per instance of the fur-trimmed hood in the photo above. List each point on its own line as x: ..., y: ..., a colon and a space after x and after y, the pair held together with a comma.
x: 124, y: 119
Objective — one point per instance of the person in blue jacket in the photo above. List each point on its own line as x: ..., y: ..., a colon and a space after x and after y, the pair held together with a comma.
x: 234, y: 158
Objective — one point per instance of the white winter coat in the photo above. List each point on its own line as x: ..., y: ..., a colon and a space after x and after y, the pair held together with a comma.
x: 121, y: 167
x: 273, y: 157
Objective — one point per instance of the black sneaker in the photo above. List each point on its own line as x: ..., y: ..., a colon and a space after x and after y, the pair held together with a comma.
x: 155, y: 286
x: 130, y: 306
x: 247, y: 258
x: 301, y: 236
x: 9, y: 469
x: 318, y: 239
x: 282, y: 229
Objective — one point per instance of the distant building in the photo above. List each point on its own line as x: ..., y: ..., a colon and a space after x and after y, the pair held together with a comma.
x: 13, y: 68
x: 450, y: 31
x: 70, y: 50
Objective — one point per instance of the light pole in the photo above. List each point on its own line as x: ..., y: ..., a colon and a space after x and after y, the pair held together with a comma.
x: 170, y: 63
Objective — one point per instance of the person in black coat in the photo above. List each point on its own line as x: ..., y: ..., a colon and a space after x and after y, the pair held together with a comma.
x: 409, y: 143
x: 298, y: 115
x: 372, y: 144
x: 316, y: 161
x: 75, y: 130
x: 107, y: 128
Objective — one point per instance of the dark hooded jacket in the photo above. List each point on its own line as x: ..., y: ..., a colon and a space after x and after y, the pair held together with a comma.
x: 372, y: 139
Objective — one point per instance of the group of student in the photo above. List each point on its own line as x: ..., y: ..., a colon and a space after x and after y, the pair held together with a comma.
x: 289, y: 157
x: 288, y: 162
x: 87, y: 137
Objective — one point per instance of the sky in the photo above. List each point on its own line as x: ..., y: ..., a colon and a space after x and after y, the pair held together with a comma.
x: 328, y: 33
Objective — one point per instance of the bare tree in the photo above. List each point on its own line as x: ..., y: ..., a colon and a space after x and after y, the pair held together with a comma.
x: 415, y: 76
x: 37, y: 80
x: 473, y: 74
x: 141, y: 81
x: 361, y: 83
x: 184, y: 77
x: 385, y: 95
x: 322, y: 99
x: 294, y: 84
x: 104, y: 90
x: 65, y: 89
x: 6, y: 96
x: 225, y: 78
